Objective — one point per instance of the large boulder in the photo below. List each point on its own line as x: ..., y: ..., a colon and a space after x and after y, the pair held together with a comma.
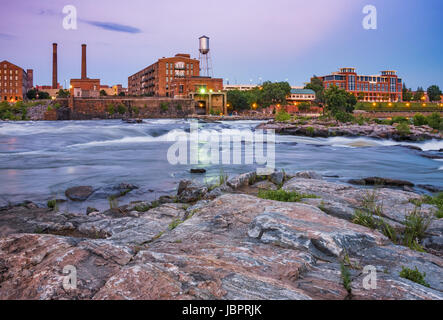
x: 80, y: 193
x: 189, y: 191
x: 242, y: 180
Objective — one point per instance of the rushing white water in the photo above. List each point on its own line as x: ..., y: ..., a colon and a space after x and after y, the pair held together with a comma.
x: 39, y: 160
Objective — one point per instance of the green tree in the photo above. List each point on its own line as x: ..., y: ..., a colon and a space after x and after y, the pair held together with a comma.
x: 419, y: 120
x: 273, y: 93
x: 31, y: 94
x: 239, y: 100
x: 121, y: 108
x: 338, y: 100
x: 103, y: 93
x: 407, y: 93
x: 43, y: 95
x: 122, y: 94
x: 111, y: 109
x: 317, y: 86
x: 434, y: 120
x: 434, y: 93
x: 419, y: 94
x: 63, y: 93
x: 304, y: 106
x: 282, y: 116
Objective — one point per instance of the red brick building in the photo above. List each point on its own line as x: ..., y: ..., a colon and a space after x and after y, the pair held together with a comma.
x: 182, y: 87
x: 84, y: 87
x: 156, y: 80
x: 386, y: 87
x: 14, y: 81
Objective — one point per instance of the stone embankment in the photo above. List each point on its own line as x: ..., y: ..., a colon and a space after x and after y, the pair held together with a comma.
x: 324, y: 129
x: 223, y: 242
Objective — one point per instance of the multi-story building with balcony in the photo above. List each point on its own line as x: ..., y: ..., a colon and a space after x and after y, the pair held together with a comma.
x: 156, y: 79
x: 385, y: 87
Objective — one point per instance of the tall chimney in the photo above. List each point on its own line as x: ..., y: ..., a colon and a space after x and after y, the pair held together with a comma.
x: 54, y: 66
x: 83, y: 61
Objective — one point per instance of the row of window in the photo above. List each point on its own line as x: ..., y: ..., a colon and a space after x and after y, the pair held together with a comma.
x: 10, y: 98
x: 10, y: 91
x: 302, y: 96
x: 179, y: 65
x: 10, y: 78
x: 366, y: 86
x: 10, y: 84
x: 9, y: 71
x: 179, y: 72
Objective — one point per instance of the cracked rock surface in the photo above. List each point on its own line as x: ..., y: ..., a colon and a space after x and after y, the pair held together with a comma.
x: 236, y: 246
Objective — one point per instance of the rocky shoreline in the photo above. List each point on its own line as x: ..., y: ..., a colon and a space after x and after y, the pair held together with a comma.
x: 223, y: 242
x: 325, y: 129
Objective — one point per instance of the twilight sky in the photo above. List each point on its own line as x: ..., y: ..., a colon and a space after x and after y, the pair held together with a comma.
x: 250, y: 39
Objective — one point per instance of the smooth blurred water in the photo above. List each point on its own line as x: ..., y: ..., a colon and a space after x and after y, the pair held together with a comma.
x: 40, y: 160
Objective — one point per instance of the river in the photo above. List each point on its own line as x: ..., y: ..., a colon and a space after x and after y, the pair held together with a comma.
x: 40, y: 160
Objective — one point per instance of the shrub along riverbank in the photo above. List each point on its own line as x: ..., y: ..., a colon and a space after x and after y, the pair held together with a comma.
x: 20, y: 110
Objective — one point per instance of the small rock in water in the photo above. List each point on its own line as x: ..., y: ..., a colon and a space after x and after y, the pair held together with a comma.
x: 166, y: 199
x: 198, y: 171
x: 308, y: 175
x: 29, y: 205
x: 126, y: 186
x: 377, y: 181
x: 430, y: 188
x: 80, y: 193
x: 90, y: 210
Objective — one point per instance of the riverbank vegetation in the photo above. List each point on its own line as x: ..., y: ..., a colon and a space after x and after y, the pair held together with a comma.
x: 260, y: 97
x: 15, y: 111
x: 283, y: 196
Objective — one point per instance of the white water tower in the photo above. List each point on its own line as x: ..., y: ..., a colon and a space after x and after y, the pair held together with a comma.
x: 205, y: 57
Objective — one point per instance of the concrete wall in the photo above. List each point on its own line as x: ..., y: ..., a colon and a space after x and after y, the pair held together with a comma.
x: 121, y: 107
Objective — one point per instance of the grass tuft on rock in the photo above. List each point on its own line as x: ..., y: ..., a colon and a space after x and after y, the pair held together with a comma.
x: 174, y: 224
x: 283, y: 195
x: 414, y: 275
x: 437, y: 201
x: 371, y: 216
x: 365, y: 218
x: 142, y: 208
x: 416, y: 225
x: 346, y: 277
x: 52, y: 204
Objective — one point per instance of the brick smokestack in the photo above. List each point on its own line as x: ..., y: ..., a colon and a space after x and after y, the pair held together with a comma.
x: 54, y: 66
x: 84, y: 61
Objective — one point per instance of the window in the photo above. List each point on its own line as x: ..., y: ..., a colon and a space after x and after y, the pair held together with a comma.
x: 393, y: 84
x: 351, y: 83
